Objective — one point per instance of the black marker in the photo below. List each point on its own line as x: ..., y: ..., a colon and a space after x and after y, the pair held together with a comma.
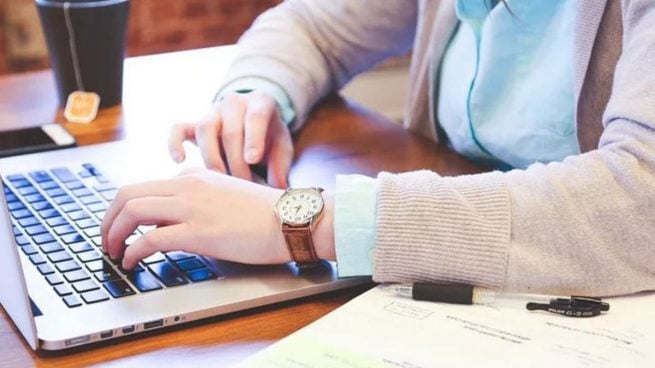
x: 575, y: 306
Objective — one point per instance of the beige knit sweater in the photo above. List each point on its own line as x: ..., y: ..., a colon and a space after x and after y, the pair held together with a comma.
x: 582, y: 226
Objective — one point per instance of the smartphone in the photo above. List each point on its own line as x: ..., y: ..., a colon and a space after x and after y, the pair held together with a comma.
x: 29, y: 140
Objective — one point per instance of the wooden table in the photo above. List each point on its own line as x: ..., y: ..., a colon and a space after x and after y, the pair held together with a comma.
x: 340, y: 137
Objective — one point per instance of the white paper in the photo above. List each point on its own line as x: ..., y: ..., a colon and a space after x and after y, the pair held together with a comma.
x: 380, y: 329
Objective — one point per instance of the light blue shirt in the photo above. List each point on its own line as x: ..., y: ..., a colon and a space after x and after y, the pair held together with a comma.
x: 506, y: 83
x: 505, y: 99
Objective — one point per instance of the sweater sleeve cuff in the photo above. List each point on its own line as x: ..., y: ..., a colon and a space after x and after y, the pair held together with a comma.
x: 436, y: 229
x: 354, y: 224
x: 249, y: 84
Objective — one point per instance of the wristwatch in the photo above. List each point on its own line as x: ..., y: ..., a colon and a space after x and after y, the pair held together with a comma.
x: 298, y: 210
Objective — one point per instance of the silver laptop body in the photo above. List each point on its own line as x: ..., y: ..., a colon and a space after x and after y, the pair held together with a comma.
x: 48, y: 323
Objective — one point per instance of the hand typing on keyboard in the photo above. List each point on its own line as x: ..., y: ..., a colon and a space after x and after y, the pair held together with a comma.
x: 205, y: 213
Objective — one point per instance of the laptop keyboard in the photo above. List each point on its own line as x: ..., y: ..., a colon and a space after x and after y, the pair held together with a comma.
x: 56, y: 217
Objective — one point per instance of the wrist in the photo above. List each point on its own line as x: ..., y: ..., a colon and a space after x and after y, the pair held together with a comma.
x: 323, y: 233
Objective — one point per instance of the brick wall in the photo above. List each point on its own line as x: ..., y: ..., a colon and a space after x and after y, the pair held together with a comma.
x: 3, y: 61
x: 155, y: 26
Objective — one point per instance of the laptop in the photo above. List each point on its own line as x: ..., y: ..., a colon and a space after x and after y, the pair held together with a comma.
x: 61, y: 291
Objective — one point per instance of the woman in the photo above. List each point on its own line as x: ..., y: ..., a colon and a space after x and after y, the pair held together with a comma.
x: 560, y: 91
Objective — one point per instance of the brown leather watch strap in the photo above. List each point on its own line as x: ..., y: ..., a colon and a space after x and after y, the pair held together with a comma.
x: 300, y: 244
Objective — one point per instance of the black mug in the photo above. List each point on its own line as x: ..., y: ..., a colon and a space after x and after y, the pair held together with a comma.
x: 86, y: 44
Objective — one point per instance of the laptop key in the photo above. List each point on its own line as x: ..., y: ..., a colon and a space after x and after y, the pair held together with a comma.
x: 63, y: 290
x: 72, y: 238
x: 202, y: 274
x: 98, y: 265
x: 86, y: 223
x: 80, y: 247
x: 167, y: 274
x: 70, y: 207
x: 10, y: 197
x: 109, y: 195
x: 64, y: 229
x: 67, y: 266
x: 22, y: 213
x: 82, y: 192
x: 15, y: 206
x: 21, y: 183
x: 107, y: 274
x: 78, y: 275
x: 101, y: 187
x: 93, y: 231
x: 56, y: 221
x: 84, y: 286
x: 40, y: 176
x: 78, y: 215
x: 190, y: 264
x: 84, y: 174
x: 49, y: 213
x: 54, y: 279
x: 29, y: 250
x: 63, y: 174
x: 72, y: 301
x: 97, y: 207
x: 89, y: 256
x: 27, y: 190
x: 16, y: 177
x: 179, y: 255
x: 155, y: 258
x: 97, y: 241
x: 45, y: 269
x: 37, y: 259
x: 21, y: 240
x: 90, y: 199
x: 47, y: 185
x: 43, y: 238
x: 61, y: 256
x: 118, y: 288
x: 50, y: 247
x: 74, y: 185
x: 28, y: 221
x: 144, y: 282
x: 34, y: 198
x: 55, y: 192
x: 35, y: 230
x: 40, y: 206
x: 138, y: 268
x: 95, y: 296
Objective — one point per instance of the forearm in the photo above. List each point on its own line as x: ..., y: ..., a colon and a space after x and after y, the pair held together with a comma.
x: 311, y: 47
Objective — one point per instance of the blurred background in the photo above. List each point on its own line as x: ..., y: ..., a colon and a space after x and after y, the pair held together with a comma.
x: 158, y: 26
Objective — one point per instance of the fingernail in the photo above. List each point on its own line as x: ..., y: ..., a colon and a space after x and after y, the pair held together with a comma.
x: 177, y: 157
x: 251, y: 155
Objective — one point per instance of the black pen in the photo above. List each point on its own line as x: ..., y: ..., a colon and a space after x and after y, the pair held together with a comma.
x: 575, y: 306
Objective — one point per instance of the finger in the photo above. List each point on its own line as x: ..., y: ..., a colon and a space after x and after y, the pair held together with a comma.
x: 207, y: 134
x: 179, y: 134
x: 160, y: 188
x: 259, y: 113
x: 141, y: 211
x: 280, y: 157
x: 233, y: 111
x: 161, y: 239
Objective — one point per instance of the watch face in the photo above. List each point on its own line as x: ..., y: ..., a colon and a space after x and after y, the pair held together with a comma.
x: 298, y: 206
